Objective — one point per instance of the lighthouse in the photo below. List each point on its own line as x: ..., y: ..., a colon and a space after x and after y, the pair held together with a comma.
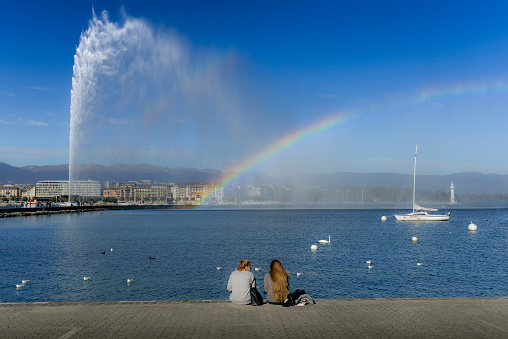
x: 452, y: 194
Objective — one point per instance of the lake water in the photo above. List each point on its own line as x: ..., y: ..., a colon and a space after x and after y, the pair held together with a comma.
x: 55, y: 253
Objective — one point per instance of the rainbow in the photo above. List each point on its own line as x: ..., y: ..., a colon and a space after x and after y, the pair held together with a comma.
x: 258, y: 159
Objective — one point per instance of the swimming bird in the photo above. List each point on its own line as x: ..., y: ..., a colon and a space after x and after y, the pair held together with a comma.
x: 370, y: 266
x: 369, y: 262
x: 151, y: 258
x: 24, y: 282
x: 298, y: 274
x: 86, y: 278
x: 419, y: 264
x: 257, y: 269
x: 219, y: 268
x: 129, y: 281
x: 414, y: 238
x: 314, y: 247
x: 20, y: 285
x: 112, y: 250
x: 325, y: 241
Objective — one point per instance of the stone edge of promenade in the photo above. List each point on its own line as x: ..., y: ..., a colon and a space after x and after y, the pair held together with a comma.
x: 225, y: 301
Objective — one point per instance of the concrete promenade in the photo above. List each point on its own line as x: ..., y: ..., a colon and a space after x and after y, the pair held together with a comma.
x: 341, y: 318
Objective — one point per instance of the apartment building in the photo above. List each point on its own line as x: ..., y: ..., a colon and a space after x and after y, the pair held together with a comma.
x: 9, y: 191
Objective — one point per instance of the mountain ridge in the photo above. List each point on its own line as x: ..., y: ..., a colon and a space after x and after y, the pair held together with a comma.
x: 465, y: 182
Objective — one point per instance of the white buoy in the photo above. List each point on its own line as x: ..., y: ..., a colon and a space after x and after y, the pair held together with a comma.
x: 314, y: 247
x: 414, y: 238
x: 472, y: 227
x: 383, y: 218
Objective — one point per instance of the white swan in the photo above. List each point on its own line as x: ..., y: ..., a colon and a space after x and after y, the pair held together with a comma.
x: 257, y: 269
x: 298, y: 274
x: 370, y: 266
x: 86, y: 278
x: 369, y: 262
x: 325, y: 241
x: 129, y: 281
x: 314, y: 247
x: 219, y: 268
x: 24, y: 282
x: 20, y: 285
x: 415, y: 238
x: 419, y: 264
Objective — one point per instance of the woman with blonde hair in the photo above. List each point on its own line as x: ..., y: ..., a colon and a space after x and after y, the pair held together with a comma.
x: 276, y: 283
x: 239, y: 283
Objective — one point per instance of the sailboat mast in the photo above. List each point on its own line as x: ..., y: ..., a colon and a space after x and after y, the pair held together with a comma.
x: 414, y: 180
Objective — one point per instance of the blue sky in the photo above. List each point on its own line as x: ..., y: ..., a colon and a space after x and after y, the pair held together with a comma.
x: 249, y: 73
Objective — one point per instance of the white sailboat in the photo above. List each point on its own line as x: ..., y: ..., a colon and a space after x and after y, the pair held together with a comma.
x: 421, y: 213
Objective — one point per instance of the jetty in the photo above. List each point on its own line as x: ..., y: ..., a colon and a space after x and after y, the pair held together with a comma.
x: 31, y: 211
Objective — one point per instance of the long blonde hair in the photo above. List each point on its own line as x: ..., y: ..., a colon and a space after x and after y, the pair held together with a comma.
x: 242, y: 264
x: 280, y: 284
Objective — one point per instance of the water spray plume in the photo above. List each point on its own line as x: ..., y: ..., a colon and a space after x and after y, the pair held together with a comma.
x: 144, y: 95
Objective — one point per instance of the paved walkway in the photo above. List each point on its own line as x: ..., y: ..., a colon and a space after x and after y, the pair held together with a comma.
x: 344, y: 318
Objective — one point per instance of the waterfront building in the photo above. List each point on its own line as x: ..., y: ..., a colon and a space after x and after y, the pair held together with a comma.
x: 126, y: 191
x: 51, y: 188
x: 109, y: 184
x: 11, y: 192
x: 194, y: 192
x: 142, y: 192
x: 56, y: 188
x: 160, y: 193
x: 111, y: 192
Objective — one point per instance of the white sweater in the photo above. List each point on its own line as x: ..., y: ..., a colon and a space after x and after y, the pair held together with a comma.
x: 239, y: 285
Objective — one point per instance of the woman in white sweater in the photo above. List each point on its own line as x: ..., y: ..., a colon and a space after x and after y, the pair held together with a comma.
x: 239, y: 283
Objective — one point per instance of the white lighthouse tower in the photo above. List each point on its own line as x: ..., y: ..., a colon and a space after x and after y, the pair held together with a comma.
x: 452, y: 194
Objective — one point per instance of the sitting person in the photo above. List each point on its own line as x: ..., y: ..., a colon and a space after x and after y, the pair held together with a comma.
x: 239, y: 283
x: 276, y: 283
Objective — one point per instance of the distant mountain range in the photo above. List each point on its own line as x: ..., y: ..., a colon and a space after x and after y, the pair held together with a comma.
x: 465, y: 183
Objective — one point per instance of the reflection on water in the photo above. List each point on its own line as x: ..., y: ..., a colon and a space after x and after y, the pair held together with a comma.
x: 56, y: 252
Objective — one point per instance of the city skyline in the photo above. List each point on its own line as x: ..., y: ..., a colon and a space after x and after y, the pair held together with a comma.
x: 308, y: 87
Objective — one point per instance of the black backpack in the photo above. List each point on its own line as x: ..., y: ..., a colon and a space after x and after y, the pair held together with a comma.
x: 292, y: 298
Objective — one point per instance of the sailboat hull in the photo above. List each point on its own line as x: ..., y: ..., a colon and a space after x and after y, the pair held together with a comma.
x: 422, y: 216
